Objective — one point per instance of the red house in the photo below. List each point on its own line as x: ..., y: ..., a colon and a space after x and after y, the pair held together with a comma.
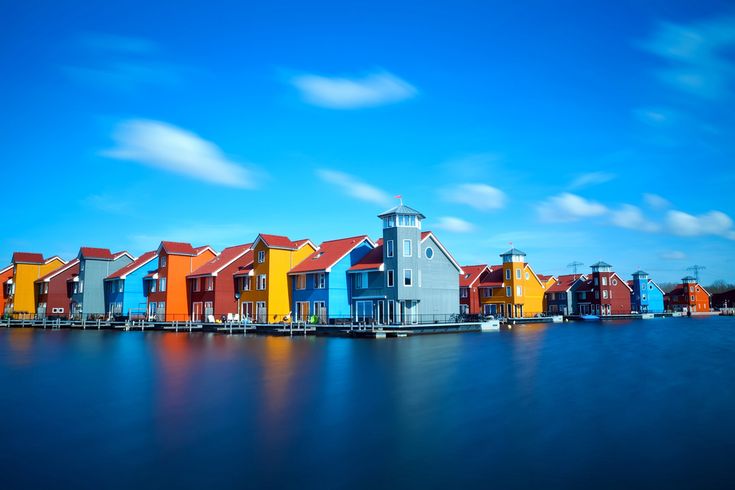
x: 6, y: 281
x: 603, y: 293
x: 212, y: 287
x: 469, y: 296
x: 54, y: 291
x: 687, y: 296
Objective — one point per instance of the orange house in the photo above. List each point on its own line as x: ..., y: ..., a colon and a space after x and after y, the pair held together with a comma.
x: 168, y: 294
x: 688, y: 296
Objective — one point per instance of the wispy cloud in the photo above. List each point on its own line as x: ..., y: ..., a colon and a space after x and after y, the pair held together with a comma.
x: 167, y: 147
x: 655, y: 201
x: 697, y: 55
x: 591, y: 178
x: 711, y: 223
x: 471, y: 166
x: 631, y: 217
x: 372, y: 90
x: 569, y: 207
x: 673, y: 255
x: 353, y: 187
x: 455, y: 225
x: 108, y: 204
x: 482, y: 197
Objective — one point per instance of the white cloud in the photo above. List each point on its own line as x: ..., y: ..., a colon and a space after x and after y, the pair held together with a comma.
x: 455, y: 225
x: 673, y: 255
x: 353, y: 93
x: 353, y: 187
x: 655, y: 201
x: 164, y: 146
x: 569, y: 207
x: 631, y: 217
x: 591, y: 178
x: 711, y: 223
x: 696, y: 55
x: 479, y: 196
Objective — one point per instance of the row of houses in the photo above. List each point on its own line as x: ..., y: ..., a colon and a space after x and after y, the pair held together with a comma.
x: 405, y: 276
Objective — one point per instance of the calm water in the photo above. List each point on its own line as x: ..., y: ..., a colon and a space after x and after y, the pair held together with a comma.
x: 613, y: 405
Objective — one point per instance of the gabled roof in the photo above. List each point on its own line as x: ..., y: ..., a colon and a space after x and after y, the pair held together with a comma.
x: 372, y: 261
x: 513, y: 251
x: 27, y: 258
x: 69, y: 265
x: 401, y: 209
x: 588, y: 285
x: 329, y: 253
x: 204, y: 248
x: 136, y: 264
x: 117, y: 255
x: 650, y: 281
x: 224, y: 259
x: 6, y: 269
x: 177, y: 248
x: 95, y: 253
x: 565, y: 282
x: 492, y: 278
x: 426, y: 234
x: 282, y: 242
x: 244, y: 270
x: 470, y: 274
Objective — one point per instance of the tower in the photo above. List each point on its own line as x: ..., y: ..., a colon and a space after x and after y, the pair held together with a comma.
x: 514, y: 263
x: 640, y: 291
x: 601, y: 277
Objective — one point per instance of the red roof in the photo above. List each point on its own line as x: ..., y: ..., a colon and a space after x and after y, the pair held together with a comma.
x: 134, y: 265
x: 95, y: 253
x: 199, y: 250
x: 244, y: 270
x: 492, y: 278
x: 424, y: 234
x: 225, y: 258
x: 563, y: 283
x: 328, y: 254
x: 178, y: 248
x: 27, y: 258
x: 278, y: 241
x: 372, y: 260
x: 471, y: 273
x: 69, y: 265
x: 544, y: 277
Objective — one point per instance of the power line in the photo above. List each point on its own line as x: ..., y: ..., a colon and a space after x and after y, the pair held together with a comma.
x: 695, y: 269
x: 574, y: 265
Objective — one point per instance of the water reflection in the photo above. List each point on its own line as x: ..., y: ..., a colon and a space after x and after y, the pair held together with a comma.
x: 20, y: 341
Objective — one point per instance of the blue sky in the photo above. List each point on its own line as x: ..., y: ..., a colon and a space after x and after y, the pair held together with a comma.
x: 576, y: 131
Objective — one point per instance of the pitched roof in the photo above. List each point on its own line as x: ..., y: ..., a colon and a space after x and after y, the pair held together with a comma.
x: 650, y: 281
x: 373, y: 260
x: 119, y: 254
x: 564, y: 282
x: 27, y: 258
x: 514, y: 251
x: 640, y: 273
x: 492, y: 278
x: 328, y: 254
x: 544, y: 277
x: 471, y: 273
x: 280, y: 241
x: 95, y: 253
x: 6, y: 268
x: 133, y: 266
x: 600, y: 264
x: 401, y: 209
x: 244, y: 270
x: 69, y: 265
x: 226, y: 257
x: 177, y: 248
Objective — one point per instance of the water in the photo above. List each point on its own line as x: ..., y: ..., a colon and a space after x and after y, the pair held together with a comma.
x: 637, y: 404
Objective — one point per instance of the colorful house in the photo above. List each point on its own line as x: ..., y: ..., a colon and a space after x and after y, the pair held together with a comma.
x: 469, y: 293
x: 53, y: 297
x: 167, y: 286
x: 27, y: 267
x: 725, y: 299
x: 513, y: 289
x: 688, y: 296
x: 561, y: 296
x: 603, y: 293
x: 321, y: 284
x: 88, y: 288
x: 409, y: 278
x: 213, y: 289
x: 125, y: 294
x: 6, y: 282
x: 265, y: 292
x: 646, y: 296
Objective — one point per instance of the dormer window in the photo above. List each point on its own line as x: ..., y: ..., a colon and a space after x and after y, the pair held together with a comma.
x: 261, y: 256
x: 163, y: 261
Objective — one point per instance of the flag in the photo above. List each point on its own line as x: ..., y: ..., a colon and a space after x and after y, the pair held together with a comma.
x: 398, y: 196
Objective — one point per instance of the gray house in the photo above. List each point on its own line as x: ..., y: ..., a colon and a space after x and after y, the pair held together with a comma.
x: 88, y: 291
x: 409, y: 277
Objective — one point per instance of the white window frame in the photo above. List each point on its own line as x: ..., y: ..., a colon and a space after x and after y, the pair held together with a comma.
x: 429, y: 253
x: 301, y: 282
x: 320, y: 280
x: 508, y: 274
x: 262, y: 283
x: 390, y: 250
x: 519, y: 291
x: 209, y: 281
x: 464, y: 292
x: 409, y: 252
x: 261, y: 256
x: 408, y: 278
x: 163, y: 261
x: 245, y: 283
x: 604, y: 280
x: 196, y: 286
x: 390, y: 278
x: 162, y: 285
x: 508, y: 291
x: 519, y: 274
x: 361, y: 280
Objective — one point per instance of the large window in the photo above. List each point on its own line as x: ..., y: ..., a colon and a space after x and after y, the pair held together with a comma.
x: 389, y: 248
x: 390, y: 279
x: 245, y: 284
x: 407, y: 277
x: 363, y: 310
x: 361, y: 280
x: 407, y: 248
x: 261, y: 282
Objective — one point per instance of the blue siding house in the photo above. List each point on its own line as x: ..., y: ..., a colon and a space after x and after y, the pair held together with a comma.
x: 320, y: 283
x: 646, y: 297
x: 125, y: 294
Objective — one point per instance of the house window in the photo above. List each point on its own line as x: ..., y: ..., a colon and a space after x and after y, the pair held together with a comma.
x: 406, y: 248
x: 643, y: 297
x: 390, y: 279
x: 195, y: 285
x: 650, y: 286
x: 120, y: 286
x: 604, y: 281
x: 320, y: 310
x: 597, y: 295
x: 319, y: 280
x: 614, y: 282
x: 519, y: 290
x: 464, y: 292
x: 407, y: 277
x: 518, y: 273
x: 81, y: 287
x: 528, y: 276
x: 301, y: 281
x: 507, y: 274
x: 692, y: 297
x: 583, y: 295
x: 245, y: 284
x: 163, y: 261
x: 596, y: 281
x: 361, y: 280
x: 604, y: 294
x: 153, y: 286
x: 261, y: 282
x: 508, y: 291
x: 210, y: 283
x: 163, y: 284
x: 261, y: 256
x: 429, y: 253
x: 81, y: 266
x: 389, y: 249
x: 208, y: 309
x: 697, y: 288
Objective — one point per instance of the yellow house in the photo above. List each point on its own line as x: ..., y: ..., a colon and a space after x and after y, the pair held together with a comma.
x: 264, y: 289
x: 513, y: 289
x: 27, y: 267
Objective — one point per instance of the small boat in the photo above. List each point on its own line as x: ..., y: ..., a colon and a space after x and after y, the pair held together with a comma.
x: 590, y: 318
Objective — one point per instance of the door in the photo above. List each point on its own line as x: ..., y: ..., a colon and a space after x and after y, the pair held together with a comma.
x: 196, y: 311
x: 302, y: 311
x: 246, y: 311
x: 261, y: 312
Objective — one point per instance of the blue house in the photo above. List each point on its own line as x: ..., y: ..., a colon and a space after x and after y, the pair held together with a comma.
x: 320, y: 282
x: 88, y: 287
x: 124, y: 289
x: 646, y: 296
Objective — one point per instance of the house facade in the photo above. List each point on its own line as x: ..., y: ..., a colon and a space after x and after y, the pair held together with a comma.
x: 125, y: 294
x: 561, y: 296
x: 469, y: 292
x: 27, y: 267
x: 646, y: 296
x: 513, y: 289
x: 689, y: 296
x: 6, y: 282
x: 88, y: 288
x: 265, y: 292
x: 409, y: 278
x: 167, y: 286
x: 53, y: 297
x: 604, y: 293
x: 321, y: 289
x: 212, y: 287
